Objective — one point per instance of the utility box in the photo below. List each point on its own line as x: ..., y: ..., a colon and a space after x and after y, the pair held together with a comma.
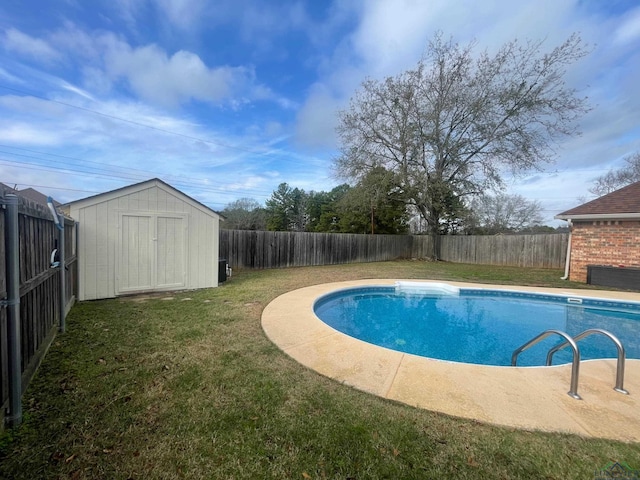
x: 222, y: 270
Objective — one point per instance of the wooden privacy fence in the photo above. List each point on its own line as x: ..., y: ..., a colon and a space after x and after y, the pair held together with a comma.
x: 38, y: 304
x: 540, y: 250
x: 259, y: 249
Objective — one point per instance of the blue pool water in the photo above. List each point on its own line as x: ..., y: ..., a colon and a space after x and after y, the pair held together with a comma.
x: 479, y: 326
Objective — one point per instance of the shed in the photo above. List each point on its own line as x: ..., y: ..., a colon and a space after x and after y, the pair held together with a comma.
x: 605, y: 232
x: 146, y: 237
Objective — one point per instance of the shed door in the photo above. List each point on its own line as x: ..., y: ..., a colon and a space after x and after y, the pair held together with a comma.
x: 152, y: 253
x: 170, y: 252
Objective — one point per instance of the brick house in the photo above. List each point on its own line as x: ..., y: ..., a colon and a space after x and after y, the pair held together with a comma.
x: 605, y: 231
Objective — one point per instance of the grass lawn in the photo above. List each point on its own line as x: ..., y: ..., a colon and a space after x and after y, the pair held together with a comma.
x: 190, y: 387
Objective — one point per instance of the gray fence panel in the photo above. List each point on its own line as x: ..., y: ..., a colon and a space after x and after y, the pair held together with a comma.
x: 39, y: 289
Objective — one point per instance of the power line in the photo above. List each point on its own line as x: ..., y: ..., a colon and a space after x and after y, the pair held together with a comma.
x: 49, y: 187
x: 134, y: 174
x: 200, y: 187
x: 146, y: 172
x: 57, y: 167
x: 44, y: 168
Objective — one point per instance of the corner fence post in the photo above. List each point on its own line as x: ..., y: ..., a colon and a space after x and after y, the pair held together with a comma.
x: 63, y: 295
x: 12, y: 251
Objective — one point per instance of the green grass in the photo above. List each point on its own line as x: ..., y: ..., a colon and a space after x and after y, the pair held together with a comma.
x: 191, y: 388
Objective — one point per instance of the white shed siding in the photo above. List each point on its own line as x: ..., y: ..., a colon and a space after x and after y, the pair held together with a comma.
x: 203, y: 251
x: 184, y: 241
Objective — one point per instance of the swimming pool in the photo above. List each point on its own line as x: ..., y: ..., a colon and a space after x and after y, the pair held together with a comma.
x: 529, y: 397
x: 478, y: 326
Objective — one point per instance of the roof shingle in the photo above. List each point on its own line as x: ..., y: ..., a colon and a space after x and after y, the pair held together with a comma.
x: 625, y: 202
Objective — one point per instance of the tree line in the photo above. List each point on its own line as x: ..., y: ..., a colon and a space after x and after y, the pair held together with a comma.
x: 375, y: 206
x: 371, y: 206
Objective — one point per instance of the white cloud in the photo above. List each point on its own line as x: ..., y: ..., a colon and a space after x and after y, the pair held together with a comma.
x: 629, y: 30
x: 9, y: 77
x: 150, y: 72
x: 264, y: 21
x: 26, y: 134
x: 273, y: 130
x: 78, y: 91
x: 392, y: 34
x: 75, y: 42
x: 95, y: 80
x: 244, y: 183
x: 19, y: 105
x: 168, y: 81
x: 183, y: 14
x: 316, y: 120
x: 156, y: 76
x: 23, y: 44
x: 128, y: 8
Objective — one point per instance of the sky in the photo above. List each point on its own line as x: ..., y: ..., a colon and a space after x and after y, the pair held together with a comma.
x: 227, y: 99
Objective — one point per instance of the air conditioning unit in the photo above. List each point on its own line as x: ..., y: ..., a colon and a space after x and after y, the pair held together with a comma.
x: 224, y: 271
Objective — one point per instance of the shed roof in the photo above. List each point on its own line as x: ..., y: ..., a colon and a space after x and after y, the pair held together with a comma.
x: 620, y: 204
x: 137, y: 187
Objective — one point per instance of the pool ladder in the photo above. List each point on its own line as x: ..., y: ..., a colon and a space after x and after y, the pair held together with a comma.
x: 575, y: 365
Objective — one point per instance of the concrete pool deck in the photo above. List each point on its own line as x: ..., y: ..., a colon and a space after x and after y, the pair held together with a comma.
x: 531, y: 398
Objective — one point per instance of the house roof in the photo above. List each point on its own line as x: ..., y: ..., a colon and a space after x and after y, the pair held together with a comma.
x: 28, y: 193
x: 136, y: 187
x: 620, y: 204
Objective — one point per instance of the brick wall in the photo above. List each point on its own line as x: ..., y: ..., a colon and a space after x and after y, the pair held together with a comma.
x: 603, y: 243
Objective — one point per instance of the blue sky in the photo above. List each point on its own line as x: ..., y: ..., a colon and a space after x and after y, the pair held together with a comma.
x: 228, y: 99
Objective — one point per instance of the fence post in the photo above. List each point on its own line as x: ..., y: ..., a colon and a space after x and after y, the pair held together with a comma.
x: 63, y: 293
x: 12, y: 251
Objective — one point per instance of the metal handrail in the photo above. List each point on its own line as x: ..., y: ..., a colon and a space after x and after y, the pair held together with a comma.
x: 619, y: 387
x: 575, y: 367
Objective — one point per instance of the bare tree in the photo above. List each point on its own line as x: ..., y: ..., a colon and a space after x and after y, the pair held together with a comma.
x: 504, y: 213
x: 451, y: 126
x: 615, y: 179
x: 244, y: 214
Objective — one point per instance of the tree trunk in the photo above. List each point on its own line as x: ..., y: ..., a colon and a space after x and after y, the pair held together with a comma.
x: 432, y: 217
